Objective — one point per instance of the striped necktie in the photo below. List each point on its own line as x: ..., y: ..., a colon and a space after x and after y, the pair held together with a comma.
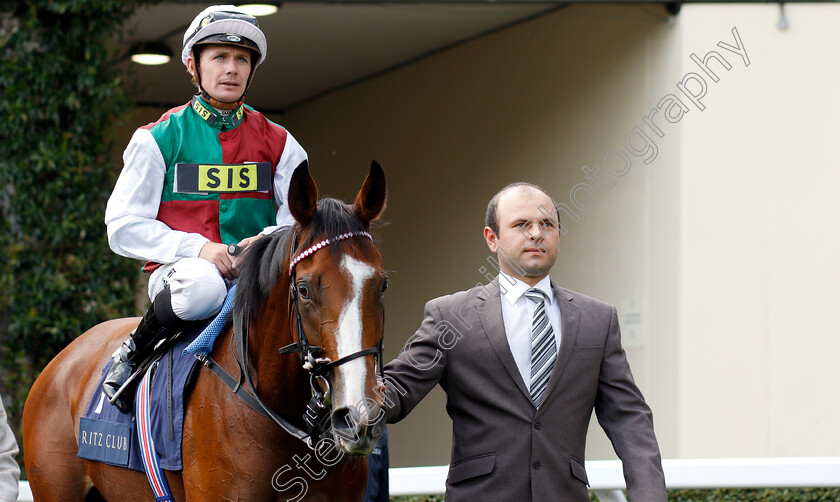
x: 543, y: 347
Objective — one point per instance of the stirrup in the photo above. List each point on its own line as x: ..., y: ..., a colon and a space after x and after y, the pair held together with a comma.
x: 160, y: 347
x: 128, y: 383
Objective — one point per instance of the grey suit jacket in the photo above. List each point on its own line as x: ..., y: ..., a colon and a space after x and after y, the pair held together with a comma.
x: 503, y: 447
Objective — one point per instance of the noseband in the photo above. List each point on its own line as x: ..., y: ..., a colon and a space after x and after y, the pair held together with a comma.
x: 317, y: 411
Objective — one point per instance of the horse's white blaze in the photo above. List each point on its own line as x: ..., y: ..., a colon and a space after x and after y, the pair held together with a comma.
x: 350, y: 335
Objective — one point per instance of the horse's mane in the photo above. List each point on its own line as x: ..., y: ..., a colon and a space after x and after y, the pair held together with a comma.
x: 264, y: 259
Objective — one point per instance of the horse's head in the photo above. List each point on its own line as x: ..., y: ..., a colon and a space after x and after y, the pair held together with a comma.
x: 339, y: 284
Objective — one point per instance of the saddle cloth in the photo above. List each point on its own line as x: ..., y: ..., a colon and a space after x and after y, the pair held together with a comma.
x: 109, y: 436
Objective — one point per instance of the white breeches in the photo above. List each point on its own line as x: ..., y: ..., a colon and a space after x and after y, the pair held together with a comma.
x: 197, y: 287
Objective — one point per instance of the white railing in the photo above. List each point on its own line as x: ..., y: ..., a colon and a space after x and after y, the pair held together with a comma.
x: 606, y: 478
x: 25, y: 494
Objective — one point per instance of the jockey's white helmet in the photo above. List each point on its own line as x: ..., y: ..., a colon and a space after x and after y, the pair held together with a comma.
x: 225, y: 24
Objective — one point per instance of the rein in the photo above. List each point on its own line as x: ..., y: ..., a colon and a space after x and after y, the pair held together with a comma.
x: 317, y: 411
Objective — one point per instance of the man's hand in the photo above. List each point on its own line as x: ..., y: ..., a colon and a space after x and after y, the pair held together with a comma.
x: 217, y: 254
x: 244, y: 243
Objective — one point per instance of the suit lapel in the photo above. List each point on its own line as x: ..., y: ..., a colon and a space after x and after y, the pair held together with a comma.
x: 493, y: 326
x: 570, y: 319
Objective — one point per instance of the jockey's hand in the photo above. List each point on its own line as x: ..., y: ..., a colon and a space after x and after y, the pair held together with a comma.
x: 217, y: 254
x: 244, y: 243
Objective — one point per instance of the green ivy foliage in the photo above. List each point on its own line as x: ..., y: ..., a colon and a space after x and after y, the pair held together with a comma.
x: 756, y: 495
x: 60, y: 95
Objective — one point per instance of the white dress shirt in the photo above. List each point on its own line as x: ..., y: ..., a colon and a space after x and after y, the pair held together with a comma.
x: 517, y: 313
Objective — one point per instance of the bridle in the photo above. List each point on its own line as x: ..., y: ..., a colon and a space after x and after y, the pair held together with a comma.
x: 317, y: 412
x: 318, y: 367
x: 315, y: 365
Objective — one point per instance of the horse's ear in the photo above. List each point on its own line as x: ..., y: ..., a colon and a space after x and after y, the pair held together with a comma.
x: 303, y: 194
x: 370, y: 201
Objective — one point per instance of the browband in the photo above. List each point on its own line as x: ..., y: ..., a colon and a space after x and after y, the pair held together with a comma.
x: 325, y: 243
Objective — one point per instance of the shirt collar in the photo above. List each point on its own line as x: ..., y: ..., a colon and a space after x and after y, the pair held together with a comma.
x: 511, y: 288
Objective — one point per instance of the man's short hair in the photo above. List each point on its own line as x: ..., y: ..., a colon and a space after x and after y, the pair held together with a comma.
x: 492, y: 221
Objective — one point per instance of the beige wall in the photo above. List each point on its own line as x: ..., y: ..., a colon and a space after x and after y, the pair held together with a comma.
x: 759, y: 249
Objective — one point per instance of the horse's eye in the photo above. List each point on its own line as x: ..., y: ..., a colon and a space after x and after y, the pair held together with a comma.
x: 303, y: 290
x: 384, y: 285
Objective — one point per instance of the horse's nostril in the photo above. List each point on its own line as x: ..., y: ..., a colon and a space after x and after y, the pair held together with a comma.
x: 346, y: 424
x: 346, y: 419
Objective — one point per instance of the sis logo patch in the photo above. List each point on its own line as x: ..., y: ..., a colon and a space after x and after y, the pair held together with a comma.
x: 222, y: 178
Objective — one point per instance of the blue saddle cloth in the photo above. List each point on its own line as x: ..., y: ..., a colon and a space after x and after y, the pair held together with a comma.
x: 109, y: 436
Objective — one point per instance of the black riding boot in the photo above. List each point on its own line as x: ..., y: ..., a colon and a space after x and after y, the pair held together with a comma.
x: 132, y: 352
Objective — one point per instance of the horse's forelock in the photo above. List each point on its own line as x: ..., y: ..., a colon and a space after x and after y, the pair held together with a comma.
x: 332, y: 219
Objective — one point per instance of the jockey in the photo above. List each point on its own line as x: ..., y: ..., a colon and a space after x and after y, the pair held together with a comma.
x: 207, y: 175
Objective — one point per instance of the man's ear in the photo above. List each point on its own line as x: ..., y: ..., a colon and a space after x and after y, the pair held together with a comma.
x: 491, y: 238
x: 191, y: 65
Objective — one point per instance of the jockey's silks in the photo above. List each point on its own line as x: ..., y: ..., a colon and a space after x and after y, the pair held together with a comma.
x: 230, y: 163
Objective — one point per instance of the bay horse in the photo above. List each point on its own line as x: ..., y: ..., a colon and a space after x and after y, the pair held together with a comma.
x: 315, y: 290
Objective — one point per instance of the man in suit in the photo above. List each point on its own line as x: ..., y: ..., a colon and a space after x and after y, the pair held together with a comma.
x: 520, y: 422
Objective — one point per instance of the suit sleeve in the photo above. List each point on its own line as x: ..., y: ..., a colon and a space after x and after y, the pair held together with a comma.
x: 9, y: 470
x: 628, y: 422
x: 418, y: 368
